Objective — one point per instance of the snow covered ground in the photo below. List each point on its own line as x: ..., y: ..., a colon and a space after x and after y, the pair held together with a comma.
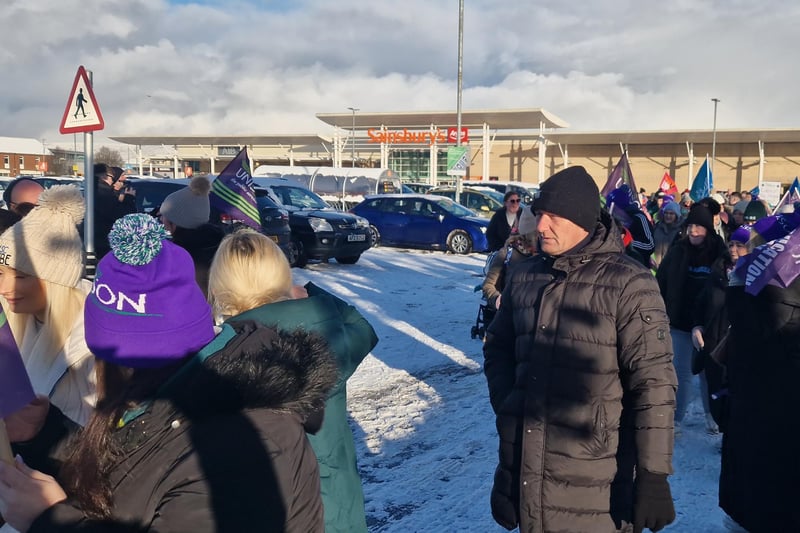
x: 419, y: 404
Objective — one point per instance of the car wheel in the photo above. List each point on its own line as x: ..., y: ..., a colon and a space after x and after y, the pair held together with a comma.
x: 459, y: 242
x: 349, y: 260
x: 291, y: 254
x: 302, y: 258
x: 374, y: 237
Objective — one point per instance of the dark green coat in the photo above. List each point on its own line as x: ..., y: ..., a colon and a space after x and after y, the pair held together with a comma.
x: 351, y: 338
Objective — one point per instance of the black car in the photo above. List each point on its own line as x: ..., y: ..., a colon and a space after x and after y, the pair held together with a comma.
x: 150, y: 193
x: 318, y: 231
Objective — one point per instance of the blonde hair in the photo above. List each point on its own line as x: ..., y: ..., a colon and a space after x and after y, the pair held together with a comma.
x: 248, y: 270
x: 64, y: 306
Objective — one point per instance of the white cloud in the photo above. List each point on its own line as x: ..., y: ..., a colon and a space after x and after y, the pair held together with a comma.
x: 241, y: 67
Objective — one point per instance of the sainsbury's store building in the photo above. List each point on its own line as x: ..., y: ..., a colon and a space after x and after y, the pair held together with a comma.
x: 525, y: 145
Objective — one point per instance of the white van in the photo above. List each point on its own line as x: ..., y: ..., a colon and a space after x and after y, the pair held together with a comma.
x: 525, y: 190
x: 341, y: 187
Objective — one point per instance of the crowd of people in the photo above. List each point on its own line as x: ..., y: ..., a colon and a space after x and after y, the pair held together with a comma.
x: 602, y: 324
x: 189, y: 385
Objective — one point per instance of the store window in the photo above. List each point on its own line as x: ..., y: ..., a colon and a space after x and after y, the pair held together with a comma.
x: 21, y: 162
x: 414, y: 165
x: 6, y: 162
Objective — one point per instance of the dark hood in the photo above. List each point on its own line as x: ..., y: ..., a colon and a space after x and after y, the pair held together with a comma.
x: 259, y: 368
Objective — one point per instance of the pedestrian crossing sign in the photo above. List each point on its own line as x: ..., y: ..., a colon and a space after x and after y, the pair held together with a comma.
x: 457, y: 160
x: 82, y: 112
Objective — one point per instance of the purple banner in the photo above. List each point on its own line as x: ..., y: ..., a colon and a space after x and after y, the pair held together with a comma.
x: 776, y: 262
x: 232, y: 192
x: 15, y: 387
x: 620, y: 175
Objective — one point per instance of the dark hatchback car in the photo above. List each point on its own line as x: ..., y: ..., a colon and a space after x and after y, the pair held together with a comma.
x: 423, y: 221
x: 150, y: 193
x: 318, y: 231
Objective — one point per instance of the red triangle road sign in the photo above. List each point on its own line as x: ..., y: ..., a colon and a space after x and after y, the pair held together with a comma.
x: 82, y: 112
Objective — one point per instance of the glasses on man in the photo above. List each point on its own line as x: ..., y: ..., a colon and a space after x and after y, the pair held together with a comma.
x: 513, y: 200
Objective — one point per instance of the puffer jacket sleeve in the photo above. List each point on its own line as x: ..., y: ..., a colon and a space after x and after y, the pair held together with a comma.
x: 647, y: 372
x: 498, y: 351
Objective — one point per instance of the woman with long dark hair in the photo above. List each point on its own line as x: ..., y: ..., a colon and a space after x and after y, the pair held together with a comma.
x: 195, y: 430
x: 682, y: 275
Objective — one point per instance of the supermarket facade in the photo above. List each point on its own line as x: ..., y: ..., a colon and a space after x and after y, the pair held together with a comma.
x: 525, y: 145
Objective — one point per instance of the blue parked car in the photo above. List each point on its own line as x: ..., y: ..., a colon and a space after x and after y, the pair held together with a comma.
x: 423, y: 221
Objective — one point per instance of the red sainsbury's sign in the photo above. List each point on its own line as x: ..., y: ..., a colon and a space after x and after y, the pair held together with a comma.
x: 406, y: 136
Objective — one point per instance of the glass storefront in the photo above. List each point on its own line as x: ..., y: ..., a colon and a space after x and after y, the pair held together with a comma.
x: 414, y: 165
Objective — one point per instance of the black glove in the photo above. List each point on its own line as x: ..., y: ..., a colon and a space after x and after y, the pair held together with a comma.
x: 652, y: 505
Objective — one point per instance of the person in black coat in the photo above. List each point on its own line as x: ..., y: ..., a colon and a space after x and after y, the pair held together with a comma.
x: 185, y: 214
x: 110, y: 205
x: 683, y: 273
x: 502, y: 221
x: 760, y: 466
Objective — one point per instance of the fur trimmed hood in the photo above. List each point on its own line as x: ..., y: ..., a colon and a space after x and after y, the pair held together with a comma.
x: 259, y: 368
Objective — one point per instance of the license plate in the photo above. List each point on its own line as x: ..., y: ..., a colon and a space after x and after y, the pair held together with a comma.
x: 355, y: 237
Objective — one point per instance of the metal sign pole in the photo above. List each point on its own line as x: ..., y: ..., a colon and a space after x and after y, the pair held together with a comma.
x: 89, y: 190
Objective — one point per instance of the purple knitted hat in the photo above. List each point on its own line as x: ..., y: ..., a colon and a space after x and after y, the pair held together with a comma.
x: 145, y: 309
x: 740, y: 234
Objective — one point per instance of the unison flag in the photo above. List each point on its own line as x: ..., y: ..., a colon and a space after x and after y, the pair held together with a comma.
x: 15, y: 387
x: 620, y: 175
x: 668, y: 185
x: 703, y: 183
x: 232, y: 192
x: 776, y: 262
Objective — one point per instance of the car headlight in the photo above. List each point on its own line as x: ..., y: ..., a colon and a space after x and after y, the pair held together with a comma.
x: 362, y: 222
x: 319, y: 224
x: 483, y: 230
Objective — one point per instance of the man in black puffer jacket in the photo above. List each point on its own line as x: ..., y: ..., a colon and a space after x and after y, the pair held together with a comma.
x: 579, y: 366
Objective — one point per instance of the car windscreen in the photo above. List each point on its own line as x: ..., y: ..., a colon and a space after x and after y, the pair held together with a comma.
x: 454, y: 208
x: 298, y: 197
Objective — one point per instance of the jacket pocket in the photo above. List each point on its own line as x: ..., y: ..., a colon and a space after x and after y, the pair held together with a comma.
x: 655, y: 330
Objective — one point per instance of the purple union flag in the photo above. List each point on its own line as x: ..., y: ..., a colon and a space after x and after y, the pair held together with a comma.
x: 15, y: 387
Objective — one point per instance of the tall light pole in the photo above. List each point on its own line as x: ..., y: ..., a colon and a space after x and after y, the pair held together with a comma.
x: 353, y: 135
x: 714, y: 136
x: 459, y: 88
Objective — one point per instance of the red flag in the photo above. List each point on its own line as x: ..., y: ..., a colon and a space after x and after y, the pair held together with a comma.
x: 668, y: 185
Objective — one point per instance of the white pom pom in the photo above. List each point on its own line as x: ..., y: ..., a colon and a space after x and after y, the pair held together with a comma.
x: 65, y: 200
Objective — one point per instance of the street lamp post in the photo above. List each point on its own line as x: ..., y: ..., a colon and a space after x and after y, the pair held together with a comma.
x: 714, y: 136
x: 353, y: 135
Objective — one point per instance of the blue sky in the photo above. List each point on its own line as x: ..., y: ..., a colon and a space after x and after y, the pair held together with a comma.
x: 243, y: 67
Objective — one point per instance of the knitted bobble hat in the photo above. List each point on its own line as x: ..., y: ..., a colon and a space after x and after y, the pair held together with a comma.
x: 46, y: 244
x: 571, y: 194
x: 189, y: 207
x: 145, y: 309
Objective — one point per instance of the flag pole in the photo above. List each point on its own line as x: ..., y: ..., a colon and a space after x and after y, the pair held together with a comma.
x: 782, y: 200
x: 5, y: 445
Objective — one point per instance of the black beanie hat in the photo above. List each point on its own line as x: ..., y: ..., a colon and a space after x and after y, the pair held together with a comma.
x: 701, y: 216
x: 572, y: 194
x: 754, y: 211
